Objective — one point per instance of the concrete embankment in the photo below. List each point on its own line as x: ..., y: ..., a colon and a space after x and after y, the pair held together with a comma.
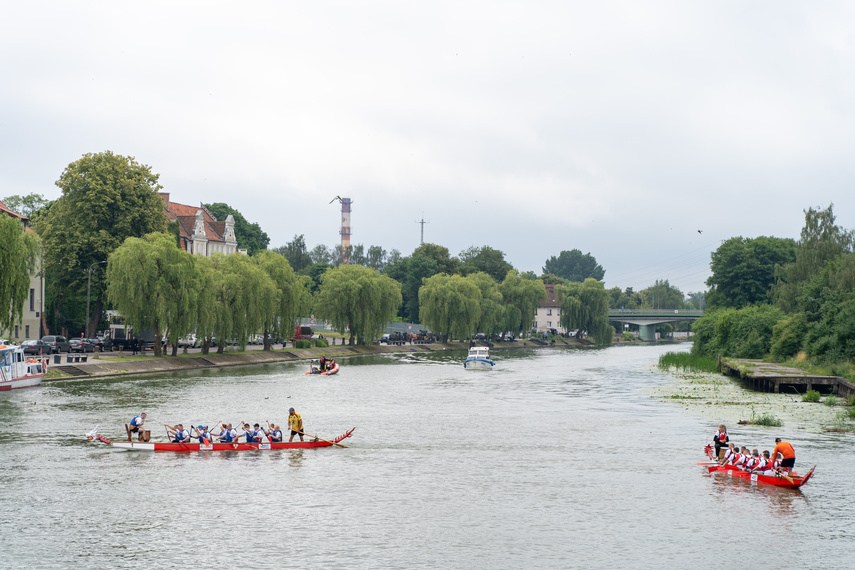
x: 771, y: 377
x: 109, y: 366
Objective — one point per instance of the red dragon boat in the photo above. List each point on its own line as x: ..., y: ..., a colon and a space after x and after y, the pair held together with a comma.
x: 94, y: 436
x: 790, y: 482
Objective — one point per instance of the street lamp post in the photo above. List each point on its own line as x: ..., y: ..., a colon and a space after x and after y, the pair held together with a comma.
x: 88, y: 291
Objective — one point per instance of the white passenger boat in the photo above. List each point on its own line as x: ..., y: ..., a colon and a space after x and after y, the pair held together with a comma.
x: 478, y: 357
x: 18, y: 371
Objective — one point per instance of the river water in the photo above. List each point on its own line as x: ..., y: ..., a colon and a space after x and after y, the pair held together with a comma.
x: 557, y: 458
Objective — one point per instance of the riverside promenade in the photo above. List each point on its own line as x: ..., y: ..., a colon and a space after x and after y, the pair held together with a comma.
x: 105, y: 366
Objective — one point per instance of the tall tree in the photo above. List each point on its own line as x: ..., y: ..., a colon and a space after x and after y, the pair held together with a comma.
x: 450, y: 306
x: 376, y: 258
x: 296, y: 252
x: 245, y: 296
x: 26, y: 205
x: 322, y: 254
x: 248, y: 235
x: 359, y: 300
x: 663, y: 296
x: 492, y: 317
x: 154, y: 284
x: 293, y: 299
x: 18, y: 256
x: 444, y: 262
x: 585, y: 307
x: 821, y: 241
x: 490, y: 261
x: 522, y: 297
x: 574, y: 266
x: 106, y: 198
x: 411, y: 272
x: 743, y: 270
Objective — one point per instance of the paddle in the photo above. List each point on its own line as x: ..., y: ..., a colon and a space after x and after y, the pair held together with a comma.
x: 787, y: 477
x: 321, y: 439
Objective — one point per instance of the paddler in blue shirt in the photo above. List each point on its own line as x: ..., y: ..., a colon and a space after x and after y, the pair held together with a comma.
x: 274, y: 434
x: 180, y: 434
x: 203, y: 434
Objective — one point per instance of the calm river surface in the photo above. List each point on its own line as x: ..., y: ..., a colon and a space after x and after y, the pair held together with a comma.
x: 557, y: 458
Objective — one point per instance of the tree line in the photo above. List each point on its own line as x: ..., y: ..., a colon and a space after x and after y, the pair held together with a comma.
x: 110, y: 210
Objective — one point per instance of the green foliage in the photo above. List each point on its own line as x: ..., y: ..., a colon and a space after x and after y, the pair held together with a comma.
x: 831, y: 400
x: 302, y: 343
x: 450, y: 306
x: 821, y: 241
x: 28, y: 205
x: 851, y: 401
x: 687, y: 361
x: 296, y: 253
x: 292, y: 299
x: 321, y: 343
x: 490, y: 261
x: 574, y: 266
x: 767, y: 419
x: 810, y: 396
x: 585, y: 306
x: 740, y: 333
x: 522, y: 297
x: 662, y: 296
x: 248, y: 235
x: 627, y: 299
x: 154, y: 284
x: 492, y: 318
x: 411, y: 272
x: 106, y: 198
x: 358, y: 299
x: 18, y: 256
x: 444, y: 262
x: 743, y: 270
x: 244, y: 296
x: 788, y: 336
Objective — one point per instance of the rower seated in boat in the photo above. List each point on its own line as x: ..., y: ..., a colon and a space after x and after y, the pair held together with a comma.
x: 227, y: 433
x: 202, y: 433
x: 178, y: 433
x: 728, y: 455
x: 274, y: 433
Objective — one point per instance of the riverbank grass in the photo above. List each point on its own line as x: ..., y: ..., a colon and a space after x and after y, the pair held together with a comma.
x: 688, y: 362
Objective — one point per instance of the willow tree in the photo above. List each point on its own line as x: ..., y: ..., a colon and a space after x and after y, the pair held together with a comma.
x: 522, y: 297
x: 357, y: 299
x: 450, y: 306
x: 293, y: 299
x: 153, y: 284
x: 585, y: 307
x: 18, y: 257
x: 206, y: 312
x: 106, y: 198
x: 245, y: 296
x: 492, y: 317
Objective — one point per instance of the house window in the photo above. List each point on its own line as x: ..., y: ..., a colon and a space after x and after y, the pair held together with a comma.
x: 535, y: 324
x: 32, y: 300
x: 27, y: 331
x: 16, y: 331
x: 549, y: 324
x: 549, y: 312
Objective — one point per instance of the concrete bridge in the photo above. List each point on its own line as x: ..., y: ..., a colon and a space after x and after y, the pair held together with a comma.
x: 647, y: 319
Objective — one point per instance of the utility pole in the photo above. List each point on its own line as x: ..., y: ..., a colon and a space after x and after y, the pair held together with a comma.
x: 423, y: 222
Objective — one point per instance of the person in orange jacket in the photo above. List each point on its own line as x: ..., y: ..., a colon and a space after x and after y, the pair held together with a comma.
x: 787, y: 452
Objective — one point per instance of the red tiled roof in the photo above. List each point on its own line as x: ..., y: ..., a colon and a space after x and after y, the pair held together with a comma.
x: 550, y: 297
x: 12, y: 213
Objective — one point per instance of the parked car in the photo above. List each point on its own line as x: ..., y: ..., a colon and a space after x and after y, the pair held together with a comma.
x: 81, y: 345
x: 102, y: 344
x: 36, y: 347
x: 189, y: 341
x: 385, y: 338
x: 57, y: 343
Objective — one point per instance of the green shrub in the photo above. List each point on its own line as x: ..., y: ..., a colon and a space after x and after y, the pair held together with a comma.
x: 302, y: 343
x: 687, y: 361
x: 831, y: 400
x: 811, y: 396
x: 851, y: 400
x: 321, y: 342
x: 768, y: 420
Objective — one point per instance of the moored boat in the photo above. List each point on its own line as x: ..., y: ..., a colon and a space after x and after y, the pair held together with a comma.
x: 18, y: 371
x: 478, y: 358
x: 197, y: 447
x: 791, y: 482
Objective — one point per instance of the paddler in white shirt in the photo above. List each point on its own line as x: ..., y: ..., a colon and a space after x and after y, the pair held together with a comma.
x: 728, y: 455
x: 720, y: 438
x: 178, y: 432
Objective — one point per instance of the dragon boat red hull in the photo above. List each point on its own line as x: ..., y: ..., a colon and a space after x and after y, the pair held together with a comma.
x: 793, y: 482
x: 197, y: 447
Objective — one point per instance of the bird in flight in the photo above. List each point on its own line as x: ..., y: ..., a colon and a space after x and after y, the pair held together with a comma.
x: 700, y: 231
x: 336, y: 198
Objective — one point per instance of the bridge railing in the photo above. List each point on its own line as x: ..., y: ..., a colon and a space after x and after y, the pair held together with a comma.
x: 657, y: 312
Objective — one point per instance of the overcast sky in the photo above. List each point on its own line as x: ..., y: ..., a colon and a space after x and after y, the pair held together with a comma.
x: 618, y: 128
